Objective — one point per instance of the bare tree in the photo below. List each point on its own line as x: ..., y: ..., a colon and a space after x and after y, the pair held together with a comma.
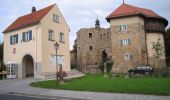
x: 158, y: 48
x: 158, y: 52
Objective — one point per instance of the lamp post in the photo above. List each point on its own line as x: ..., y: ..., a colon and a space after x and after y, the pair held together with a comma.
x: 56, y: 47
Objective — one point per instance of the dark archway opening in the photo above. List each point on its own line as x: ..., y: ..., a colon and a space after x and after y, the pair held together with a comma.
x: 104, y: 56
x: 28, y: 66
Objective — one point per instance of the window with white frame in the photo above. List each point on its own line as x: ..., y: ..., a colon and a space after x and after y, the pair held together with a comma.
x: 27, y: 36
x: 55, y: 18
x: 62, y: 37
x: 60, y: 60
x: 125, y: 42
x: 50, y: 35
x: 127, y: 57
x: 123, y: 28
x: 14, y: 39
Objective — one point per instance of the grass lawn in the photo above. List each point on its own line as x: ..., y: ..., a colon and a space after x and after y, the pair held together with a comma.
x: 141, y: 85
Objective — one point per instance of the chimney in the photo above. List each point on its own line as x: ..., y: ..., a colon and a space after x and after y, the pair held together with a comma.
x: 33, y: 9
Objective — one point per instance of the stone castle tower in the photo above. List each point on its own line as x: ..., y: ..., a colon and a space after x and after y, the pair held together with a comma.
x: 91, y: 42
x: 129, y: 40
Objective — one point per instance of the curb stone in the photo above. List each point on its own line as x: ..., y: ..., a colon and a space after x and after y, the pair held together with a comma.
x: 46, y: 96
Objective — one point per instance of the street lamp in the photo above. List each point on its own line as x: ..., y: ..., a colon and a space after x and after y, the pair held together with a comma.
x: 56, y: 47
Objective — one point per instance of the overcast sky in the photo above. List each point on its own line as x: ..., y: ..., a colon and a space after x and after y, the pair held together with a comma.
x: 78, y: 13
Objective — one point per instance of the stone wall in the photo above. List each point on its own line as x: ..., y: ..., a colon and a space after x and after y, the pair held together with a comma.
x: 99, y: 41
x: 73, y: 59
x: 137, y: 47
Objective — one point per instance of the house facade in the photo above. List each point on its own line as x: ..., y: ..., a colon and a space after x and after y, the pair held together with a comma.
x: 29, y: 43
x: 132, y: 33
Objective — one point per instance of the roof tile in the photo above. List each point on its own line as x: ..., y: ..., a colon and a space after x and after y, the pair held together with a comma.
x: 28, y: 20
x: 126, y: 10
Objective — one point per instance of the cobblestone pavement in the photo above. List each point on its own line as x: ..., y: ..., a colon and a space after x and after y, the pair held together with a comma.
x: 21, y: 86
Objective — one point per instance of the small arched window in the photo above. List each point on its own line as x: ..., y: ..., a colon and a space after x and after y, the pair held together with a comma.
x: 61, y: 37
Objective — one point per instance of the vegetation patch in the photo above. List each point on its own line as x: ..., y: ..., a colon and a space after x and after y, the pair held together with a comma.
x: 97, y: 83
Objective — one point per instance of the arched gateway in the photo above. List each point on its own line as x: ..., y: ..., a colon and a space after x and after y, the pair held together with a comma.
x: 28, y: 66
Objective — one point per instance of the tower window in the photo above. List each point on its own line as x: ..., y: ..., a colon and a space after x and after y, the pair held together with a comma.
x: 90, y: 48
x: 108, y: 35
x: 101, y: 36
x: 128, y: 57
x: 90, y: 35
x: 142, y: 27
x: 125, y: 42
x: 123, y: 28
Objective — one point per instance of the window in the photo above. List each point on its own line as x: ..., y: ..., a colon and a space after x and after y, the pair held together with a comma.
x: 60, y: 60
x: 79, y: 36
x: 142, y: 27
x: 55, y: 18
x: 13, y: 70
x: 62, y: 37
x: 127, y: 57
x: 51, y: 35
x: 125, y: 42
x: 90, y: 48
x: 101, y: 36
x: 90, y: 35
x: 123, y: 28
x: 27, y: 36
x: 108, y: 34
x: 14, y: 39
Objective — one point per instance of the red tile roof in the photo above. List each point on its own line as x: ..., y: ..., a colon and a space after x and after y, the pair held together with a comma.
x: 127, y: 10
x: 28, y: 20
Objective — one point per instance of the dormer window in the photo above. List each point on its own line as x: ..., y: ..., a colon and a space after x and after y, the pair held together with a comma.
x: 51, y: 35
x: 55, y: 18
x: 123, y: 28
x: 14, y: 39
x: 27, y: 36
